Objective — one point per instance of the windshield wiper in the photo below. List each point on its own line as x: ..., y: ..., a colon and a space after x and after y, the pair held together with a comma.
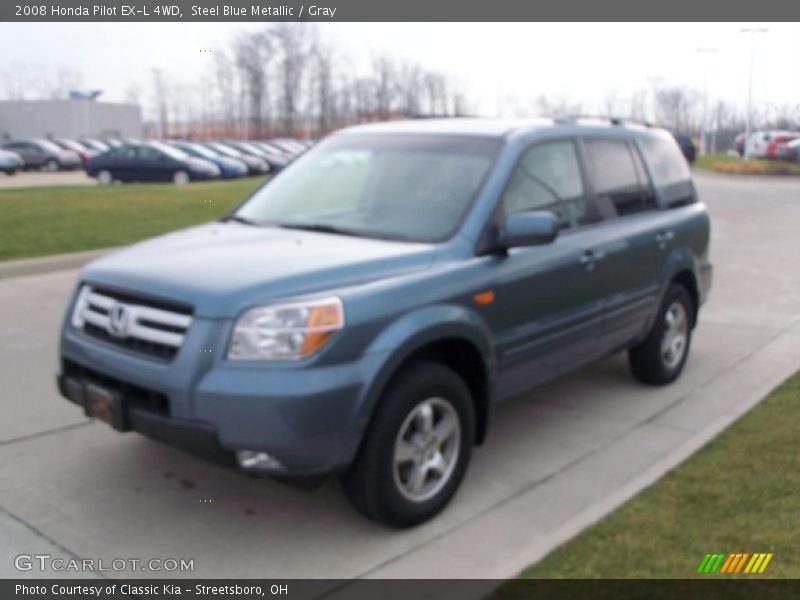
x: 238, y: 219
x: 318, y: 227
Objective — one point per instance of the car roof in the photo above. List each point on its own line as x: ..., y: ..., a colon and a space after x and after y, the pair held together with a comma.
x: 495, y: 127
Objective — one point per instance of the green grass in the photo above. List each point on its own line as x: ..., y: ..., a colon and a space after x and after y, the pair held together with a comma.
x: 51, y: 220
x: 740, y: 493
x: 723, y: 163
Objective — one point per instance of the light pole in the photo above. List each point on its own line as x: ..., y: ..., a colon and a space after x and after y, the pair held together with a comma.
x: 706, y: 52
x: 748, y: 121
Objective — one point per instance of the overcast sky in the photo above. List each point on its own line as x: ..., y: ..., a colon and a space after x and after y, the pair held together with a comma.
x: 581, y: 61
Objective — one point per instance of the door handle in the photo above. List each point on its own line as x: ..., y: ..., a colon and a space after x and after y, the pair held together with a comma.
x: 662, y: 237
x: 590, y: 257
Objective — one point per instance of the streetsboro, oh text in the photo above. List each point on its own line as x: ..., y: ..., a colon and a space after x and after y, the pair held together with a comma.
x: 257, y: 10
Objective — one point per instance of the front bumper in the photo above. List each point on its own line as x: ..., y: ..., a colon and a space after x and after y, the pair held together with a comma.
x: 310, y: 419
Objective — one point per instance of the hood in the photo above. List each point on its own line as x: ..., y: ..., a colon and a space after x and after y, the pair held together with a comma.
x: 222, y: 268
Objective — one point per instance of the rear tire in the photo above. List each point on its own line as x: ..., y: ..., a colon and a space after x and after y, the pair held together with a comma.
x: 660, y: 358
x: 181, y: 178
x: 10, y: 172
x: 105, y: 177
x: 417, y: 448
x: 52, y: 165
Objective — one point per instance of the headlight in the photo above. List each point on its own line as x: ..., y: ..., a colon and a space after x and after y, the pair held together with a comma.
x: 285, y: 331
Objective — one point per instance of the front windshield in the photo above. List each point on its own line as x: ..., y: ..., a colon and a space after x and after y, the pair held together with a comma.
x: 409, y: 187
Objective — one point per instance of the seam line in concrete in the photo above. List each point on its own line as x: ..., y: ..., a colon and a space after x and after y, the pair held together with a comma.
x: 41, y: 534
x: 39, y: 434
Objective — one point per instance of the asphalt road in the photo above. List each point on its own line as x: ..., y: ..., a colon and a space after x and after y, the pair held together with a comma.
x: 555, y: 461
x: 45, y: 178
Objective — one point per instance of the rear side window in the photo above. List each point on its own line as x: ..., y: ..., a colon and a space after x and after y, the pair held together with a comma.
x: 620, y: 182
x: 670, y: 170
x: 548, y: 177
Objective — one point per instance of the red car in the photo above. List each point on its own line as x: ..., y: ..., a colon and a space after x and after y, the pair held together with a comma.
x: 776, y: 145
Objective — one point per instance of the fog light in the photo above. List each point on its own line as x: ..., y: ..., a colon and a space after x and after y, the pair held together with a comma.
x: 253, y: 460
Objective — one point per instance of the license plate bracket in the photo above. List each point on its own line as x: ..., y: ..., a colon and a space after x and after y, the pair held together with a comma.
x: 104, y: 405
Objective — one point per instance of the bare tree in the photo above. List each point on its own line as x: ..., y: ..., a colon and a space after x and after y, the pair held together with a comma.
x: 160, y: 94
x: 324, y: 94
x: 225, y: 79
x: 676, y: 108
x: 253, y: 53
x: 292, y: 50
x: 384, y: 69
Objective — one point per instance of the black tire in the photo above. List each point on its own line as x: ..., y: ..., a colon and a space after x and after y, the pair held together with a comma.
x: 10, y: 172
x: 371, y: 484
x: 648, y: 363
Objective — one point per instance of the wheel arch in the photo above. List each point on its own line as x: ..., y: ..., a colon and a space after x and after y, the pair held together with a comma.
x: 451, y: 336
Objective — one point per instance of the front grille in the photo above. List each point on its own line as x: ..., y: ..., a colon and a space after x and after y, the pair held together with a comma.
x: 152, y: 328
x: 133, y: 396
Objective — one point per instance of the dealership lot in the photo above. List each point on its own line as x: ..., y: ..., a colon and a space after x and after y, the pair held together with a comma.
x: 554, y: 461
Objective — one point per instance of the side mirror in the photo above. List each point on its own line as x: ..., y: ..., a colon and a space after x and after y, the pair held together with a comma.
x: 533, y: 228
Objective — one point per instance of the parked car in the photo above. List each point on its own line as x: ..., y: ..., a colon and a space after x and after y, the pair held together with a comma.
x: 777, y: 146
x: 364, y: 310
x: 272, y: 149
x: 793, y: 150
x: 84, y: 152
x: 255, y: 165
x: 687, y: 146
x: 10, y: 162
x: 293, y: 147
x: 769, y: 144
x: 94, y: 144
x: 38, y: 154
x: 229, y: 167
x: 150, y: 161
x: 276, y: 162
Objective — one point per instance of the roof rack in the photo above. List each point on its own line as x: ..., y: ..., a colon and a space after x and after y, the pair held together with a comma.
x: 616, y: 121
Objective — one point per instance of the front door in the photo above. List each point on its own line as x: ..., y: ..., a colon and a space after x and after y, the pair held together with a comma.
x: 549, y: 301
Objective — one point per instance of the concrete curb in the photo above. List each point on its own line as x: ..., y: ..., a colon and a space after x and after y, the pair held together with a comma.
x: 49, y: 264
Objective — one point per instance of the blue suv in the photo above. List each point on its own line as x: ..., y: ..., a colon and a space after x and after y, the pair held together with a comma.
x: 363, y: 311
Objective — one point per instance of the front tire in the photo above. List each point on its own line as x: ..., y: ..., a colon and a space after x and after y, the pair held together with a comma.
x: 52, y: 165
x: 181, y: 178
x: 417, y: 448
x: 660, y: 358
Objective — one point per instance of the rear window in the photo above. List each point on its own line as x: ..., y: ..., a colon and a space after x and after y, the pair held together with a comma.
x: 670, y: 170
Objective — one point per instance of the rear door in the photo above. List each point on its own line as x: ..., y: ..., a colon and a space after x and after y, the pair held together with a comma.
x: 548, y: 302
x: 632, y: 239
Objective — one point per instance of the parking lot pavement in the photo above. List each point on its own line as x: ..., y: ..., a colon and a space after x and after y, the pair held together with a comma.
x: 44, y: 178
x: 555, y: 461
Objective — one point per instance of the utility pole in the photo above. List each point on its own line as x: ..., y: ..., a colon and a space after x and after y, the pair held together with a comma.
x: 706, y: 52
x: 752, y: 31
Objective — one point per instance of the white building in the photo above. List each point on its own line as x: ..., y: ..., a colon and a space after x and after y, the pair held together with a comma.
x: 68, y: 118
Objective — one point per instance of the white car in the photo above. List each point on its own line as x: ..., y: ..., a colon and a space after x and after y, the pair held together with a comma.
x: 10, y: 162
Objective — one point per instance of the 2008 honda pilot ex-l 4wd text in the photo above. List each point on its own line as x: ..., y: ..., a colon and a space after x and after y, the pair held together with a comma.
x: 363, y: 311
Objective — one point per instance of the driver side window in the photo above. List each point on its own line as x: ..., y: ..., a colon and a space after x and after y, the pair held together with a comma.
x: 548, y: 177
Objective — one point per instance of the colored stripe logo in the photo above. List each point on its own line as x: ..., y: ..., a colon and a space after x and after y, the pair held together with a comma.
x: 738, y: 562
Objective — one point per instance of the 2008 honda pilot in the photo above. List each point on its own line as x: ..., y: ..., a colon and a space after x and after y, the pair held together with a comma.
x: 364, y: 310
